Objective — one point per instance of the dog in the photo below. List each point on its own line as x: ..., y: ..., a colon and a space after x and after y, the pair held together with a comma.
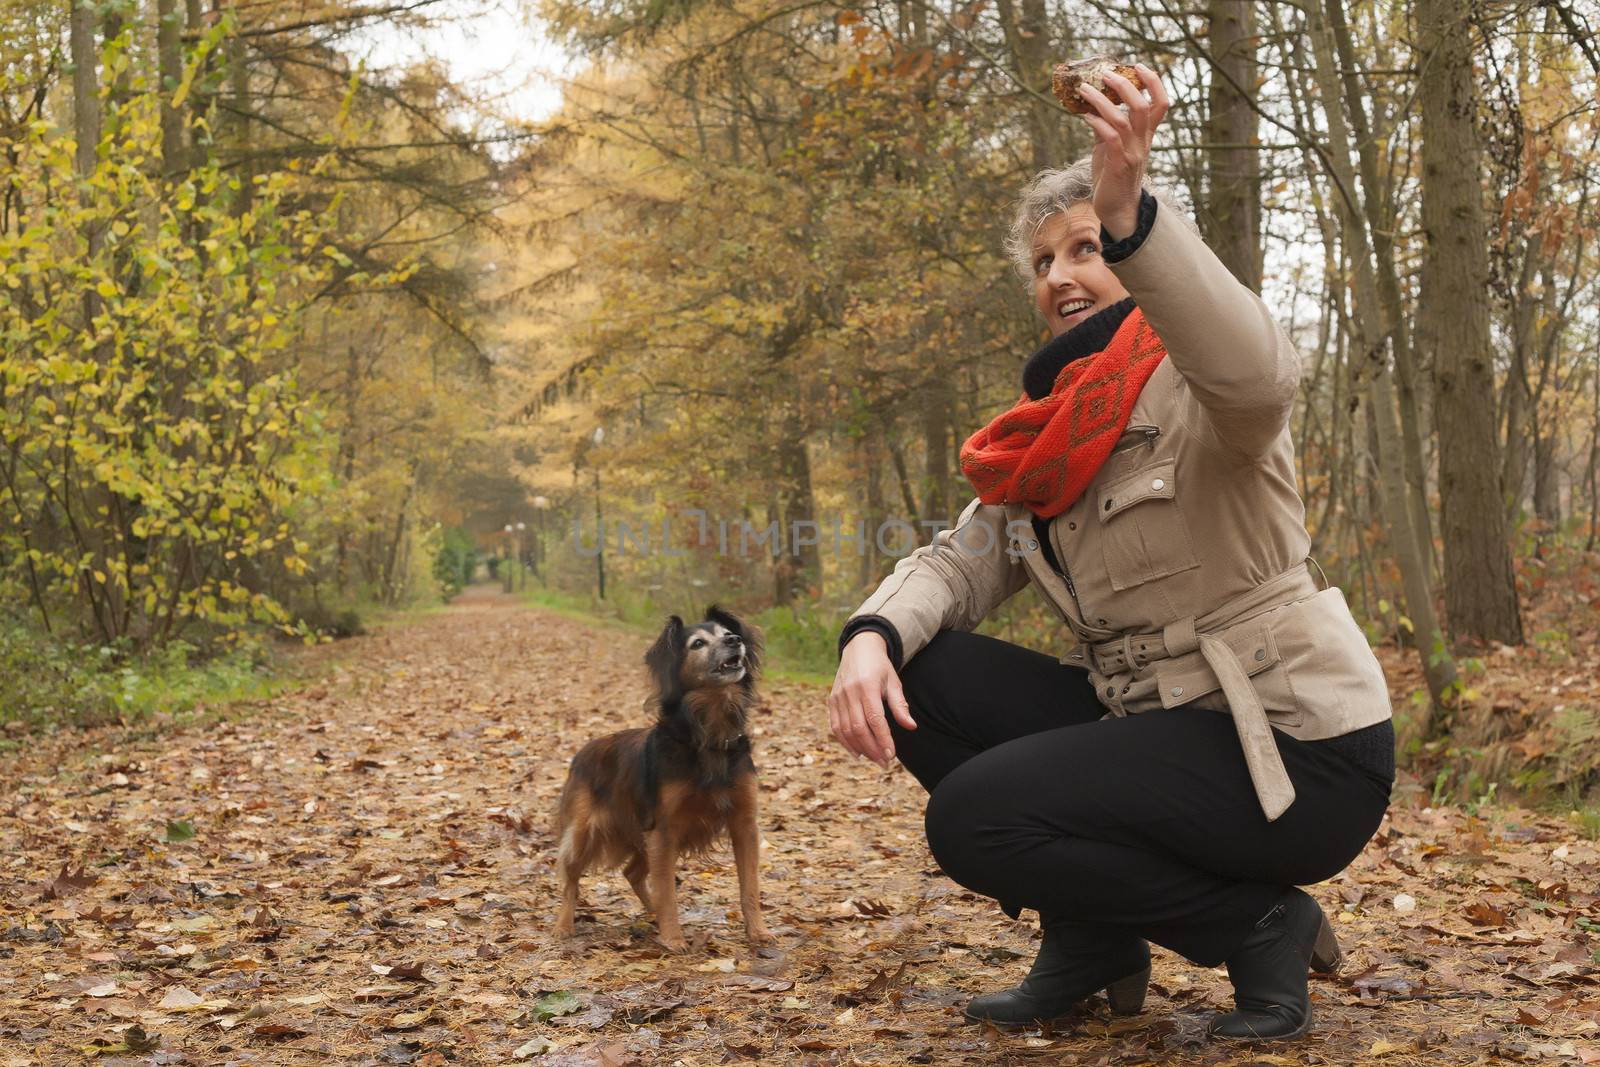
x: 643, y: 798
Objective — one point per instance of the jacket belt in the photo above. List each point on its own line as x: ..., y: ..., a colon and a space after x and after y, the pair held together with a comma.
x: 1133, y: 652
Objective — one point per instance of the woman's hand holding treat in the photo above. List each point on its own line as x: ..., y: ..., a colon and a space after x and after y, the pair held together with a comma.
x: 1122, y: 142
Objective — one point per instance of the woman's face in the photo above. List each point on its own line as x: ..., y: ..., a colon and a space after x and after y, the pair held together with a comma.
x: 1070, y: 280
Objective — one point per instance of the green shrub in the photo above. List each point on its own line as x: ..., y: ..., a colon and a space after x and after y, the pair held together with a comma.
x: 801, y: 640
x: 47, y: 682
x: 454, y: 560
x: 329, y: 620
x: 1587, y: 821
x: 44, y: 680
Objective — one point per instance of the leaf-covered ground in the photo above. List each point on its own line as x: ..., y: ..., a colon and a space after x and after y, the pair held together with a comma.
x: 361, y: 872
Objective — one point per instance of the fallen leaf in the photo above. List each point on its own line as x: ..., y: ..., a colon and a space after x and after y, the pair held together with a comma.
x: 134, y: 1039
x: 759, y: 982
x: 533, y: 1047
x: 364, y: 994
x: 67, y: 883
x: 1481, y: 914
x: 594, y: 1017
x: 180, y: 998
x: 551, y: 1005
x: 400, y: 1052
x: 883, y: 984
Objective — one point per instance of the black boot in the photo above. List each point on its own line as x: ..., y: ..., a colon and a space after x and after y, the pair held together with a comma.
x: 1272, y: 1001
x: 1074, y: 962
x: 1326, y: 955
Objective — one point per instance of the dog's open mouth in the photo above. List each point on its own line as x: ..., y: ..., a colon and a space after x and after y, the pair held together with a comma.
x: 728, y: 668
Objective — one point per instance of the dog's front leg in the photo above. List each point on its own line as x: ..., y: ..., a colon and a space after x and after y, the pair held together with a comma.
x: 663, y: 857
x: 746, y: 837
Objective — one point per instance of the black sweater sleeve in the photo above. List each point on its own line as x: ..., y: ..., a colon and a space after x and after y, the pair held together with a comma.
x: 1114, y: 251
x: 878, y: 625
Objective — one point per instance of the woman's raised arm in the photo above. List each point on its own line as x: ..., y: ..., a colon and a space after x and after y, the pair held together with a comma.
x: 1238, y: 362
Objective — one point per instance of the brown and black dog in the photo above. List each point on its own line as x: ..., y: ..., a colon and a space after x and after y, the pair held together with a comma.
x: 642, y: 798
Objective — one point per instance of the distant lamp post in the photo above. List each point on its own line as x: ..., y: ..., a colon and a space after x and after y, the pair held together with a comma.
x: 599, y: 523
x: 540, y: 503
x: 511, y: 554
x: 522, y: 568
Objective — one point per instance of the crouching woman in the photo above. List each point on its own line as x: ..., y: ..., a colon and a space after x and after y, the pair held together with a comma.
x: 1220, y: 733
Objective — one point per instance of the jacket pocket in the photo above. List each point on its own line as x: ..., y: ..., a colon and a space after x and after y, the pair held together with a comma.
x: 1142, y: 527
x: 1136, y: 436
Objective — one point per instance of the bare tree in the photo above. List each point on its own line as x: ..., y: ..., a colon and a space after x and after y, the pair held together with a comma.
x: 1453, y: 323
x: 1231, y: 216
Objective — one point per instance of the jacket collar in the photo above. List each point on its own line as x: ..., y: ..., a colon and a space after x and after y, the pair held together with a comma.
x: 1085, y: 339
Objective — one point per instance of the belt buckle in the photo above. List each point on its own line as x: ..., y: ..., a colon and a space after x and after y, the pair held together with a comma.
x: 1131, y: 659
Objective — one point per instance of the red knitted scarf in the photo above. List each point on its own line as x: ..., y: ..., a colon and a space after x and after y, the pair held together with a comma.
x: 1045, y: 452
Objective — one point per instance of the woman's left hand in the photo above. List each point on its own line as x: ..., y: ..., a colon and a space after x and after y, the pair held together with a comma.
x: 1122, y: 146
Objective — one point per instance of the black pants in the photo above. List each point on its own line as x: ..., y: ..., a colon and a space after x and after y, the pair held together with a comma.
x: 1147, y: 824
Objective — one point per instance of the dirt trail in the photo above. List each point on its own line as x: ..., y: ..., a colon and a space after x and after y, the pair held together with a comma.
x: 360, y: 872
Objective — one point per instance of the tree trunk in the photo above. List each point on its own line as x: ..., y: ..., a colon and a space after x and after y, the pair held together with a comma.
x: 801, y: 565
x: 345, y: 463
x: 1026, y: 25
x: 85, y: 85
x: 1548, y: 330
x: 113, y: 21
x: 919, y: 22
x: 1231, y: 218
x: 393, y: 557
x: 1546, y: 476
x: 241, y: 102
x: 169, y: 61
x: 936, y: 454
x: 86, y: 124
x: 1381, y: 224
x: 908, y: 498
x: 1593, y: 470
x: 1453, y: 321
x: 1438, y: 665
x: 1524, y: 309
x: 871, y: 454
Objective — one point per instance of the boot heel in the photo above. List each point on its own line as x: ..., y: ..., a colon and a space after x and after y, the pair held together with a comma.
x: 1326, y: 955
x: 1127, y: 994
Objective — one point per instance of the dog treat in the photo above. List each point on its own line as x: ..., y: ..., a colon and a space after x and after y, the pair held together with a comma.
x: 1067, y: 77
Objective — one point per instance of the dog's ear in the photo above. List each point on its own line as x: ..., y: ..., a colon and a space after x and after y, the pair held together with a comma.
x: 754, y: 640
x: 728, y: 621
x: 664, y: 658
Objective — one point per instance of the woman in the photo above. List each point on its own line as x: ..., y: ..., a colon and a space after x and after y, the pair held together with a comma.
x: 1220, y: 733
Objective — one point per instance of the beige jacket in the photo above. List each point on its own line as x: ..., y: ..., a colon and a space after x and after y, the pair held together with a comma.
x: 1187, y: 554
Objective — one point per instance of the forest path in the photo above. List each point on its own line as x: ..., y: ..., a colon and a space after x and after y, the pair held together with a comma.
x: 360, y: 872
